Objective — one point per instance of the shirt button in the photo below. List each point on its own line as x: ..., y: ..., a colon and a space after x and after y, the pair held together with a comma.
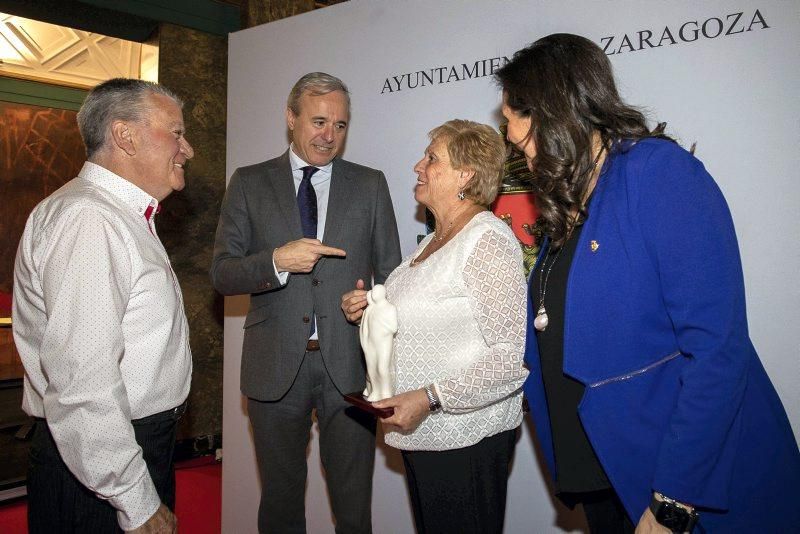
x: 306, y: 319
x: 316, y: 282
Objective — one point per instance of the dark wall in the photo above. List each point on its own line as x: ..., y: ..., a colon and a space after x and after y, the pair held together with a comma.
x: 194, y: 65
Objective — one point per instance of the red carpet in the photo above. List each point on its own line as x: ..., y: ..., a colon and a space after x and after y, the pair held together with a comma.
x: 198, y: 496
x: 13, y: 518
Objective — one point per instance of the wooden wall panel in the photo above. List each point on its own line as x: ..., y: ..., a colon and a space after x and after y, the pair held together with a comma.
x: 40, y: 150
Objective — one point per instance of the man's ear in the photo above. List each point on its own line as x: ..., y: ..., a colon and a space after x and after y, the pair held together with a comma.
x: 122, y: 134
x: 290, y: 118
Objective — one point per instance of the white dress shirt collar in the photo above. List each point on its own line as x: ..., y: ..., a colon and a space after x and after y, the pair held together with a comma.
x: 131, y: 195
x: 297, y: 163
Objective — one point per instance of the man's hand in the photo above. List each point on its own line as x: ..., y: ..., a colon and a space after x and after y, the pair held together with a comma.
x: 410, y: 409
x: 300, y: 256
x: 161, y: 522
x: 354, y: 302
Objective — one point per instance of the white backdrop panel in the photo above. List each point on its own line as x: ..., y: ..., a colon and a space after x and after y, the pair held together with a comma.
x: 736, y: 95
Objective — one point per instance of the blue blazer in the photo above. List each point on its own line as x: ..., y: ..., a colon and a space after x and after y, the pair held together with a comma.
x: 676, y: 398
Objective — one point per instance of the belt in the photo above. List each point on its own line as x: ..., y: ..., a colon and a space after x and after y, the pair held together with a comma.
x: 173, y: 413
x: 312, y: 345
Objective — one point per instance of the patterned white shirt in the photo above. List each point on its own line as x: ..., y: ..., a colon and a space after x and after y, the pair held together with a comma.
x: 99, y: 323
x: 461, y: 327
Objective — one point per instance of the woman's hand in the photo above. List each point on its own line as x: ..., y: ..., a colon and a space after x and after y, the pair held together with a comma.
x: 354, y: 302
x: 410, y: 409
x: 649, y: 525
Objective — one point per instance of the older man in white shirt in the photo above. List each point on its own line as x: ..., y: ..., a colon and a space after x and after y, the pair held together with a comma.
x: 100, y: 326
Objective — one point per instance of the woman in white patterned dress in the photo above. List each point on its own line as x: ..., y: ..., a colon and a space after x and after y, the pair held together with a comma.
x: 460, y: 301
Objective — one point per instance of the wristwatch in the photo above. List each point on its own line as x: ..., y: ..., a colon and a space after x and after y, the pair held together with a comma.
x: 433, y: 400
x: 672, y: 515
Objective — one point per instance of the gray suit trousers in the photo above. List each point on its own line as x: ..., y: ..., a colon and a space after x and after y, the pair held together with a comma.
x: 281, y: 431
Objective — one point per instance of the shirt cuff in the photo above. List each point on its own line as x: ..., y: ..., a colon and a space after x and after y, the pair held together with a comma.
x: 281, y: 276
x: 137, y: 505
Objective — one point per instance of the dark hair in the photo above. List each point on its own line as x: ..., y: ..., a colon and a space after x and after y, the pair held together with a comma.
x: 565, y: 84
x: 115, y: 99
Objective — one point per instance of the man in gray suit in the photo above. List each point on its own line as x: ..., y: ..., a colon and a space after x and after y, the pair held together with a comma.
x: 299, y: 351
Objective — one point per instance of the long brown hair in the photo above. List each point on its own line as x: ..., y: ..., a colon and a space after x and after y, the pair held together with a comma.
x: 565, y: 84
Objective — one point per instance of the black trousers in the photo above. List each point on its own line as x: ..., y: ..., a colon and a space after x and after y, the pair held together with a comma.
x: 461, y: 490
x: 59, y: 504
x: 281, y: 431
x: 605, y: 513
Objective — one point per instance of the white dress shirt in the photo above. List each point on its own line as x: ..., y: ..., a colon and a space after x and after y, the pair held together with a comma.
x: 461, y: 327
x: 321, y: 181
x: 99, y: 324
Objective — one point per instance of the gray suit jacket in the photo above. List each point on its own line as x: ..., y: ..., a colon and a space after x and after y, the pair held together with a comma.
x: 259, y: 213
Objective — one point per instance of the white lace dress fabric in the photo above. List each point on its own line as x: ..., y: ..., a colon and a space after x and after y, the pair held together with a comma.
x: 461, y: 318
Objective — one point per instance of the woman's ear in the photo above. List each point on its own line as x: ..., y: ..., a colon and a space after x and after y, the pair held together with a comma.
x: 464, y: 177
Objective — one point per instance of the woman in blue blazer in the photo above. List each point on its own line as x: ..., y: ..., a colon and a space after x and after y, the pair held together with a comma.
x: 649, y: 400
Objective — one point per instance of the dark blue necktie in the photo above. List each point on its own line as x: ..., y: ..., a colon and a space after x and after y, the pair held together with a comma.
x: 307, y: 202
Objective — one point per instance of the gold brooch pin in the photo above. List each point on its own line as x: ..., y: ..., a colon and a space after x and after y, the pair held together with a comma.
x: 595, y: 245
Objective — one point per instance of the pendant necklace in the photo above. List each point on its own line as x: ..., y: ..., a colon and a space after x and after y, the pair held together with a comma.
x: 441, y: 237
x: 541, y: 321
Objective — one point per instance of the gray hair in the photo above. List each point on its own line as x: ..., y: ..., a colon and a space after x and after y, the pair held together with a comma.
x: 116, y: 99
x: 316, y: 84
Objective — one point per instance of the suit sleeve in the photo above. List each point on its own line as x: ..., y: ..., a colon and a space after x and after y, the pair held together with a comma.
x: 234, y: 269
x: 690, y: 238
x: 385, y: 240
